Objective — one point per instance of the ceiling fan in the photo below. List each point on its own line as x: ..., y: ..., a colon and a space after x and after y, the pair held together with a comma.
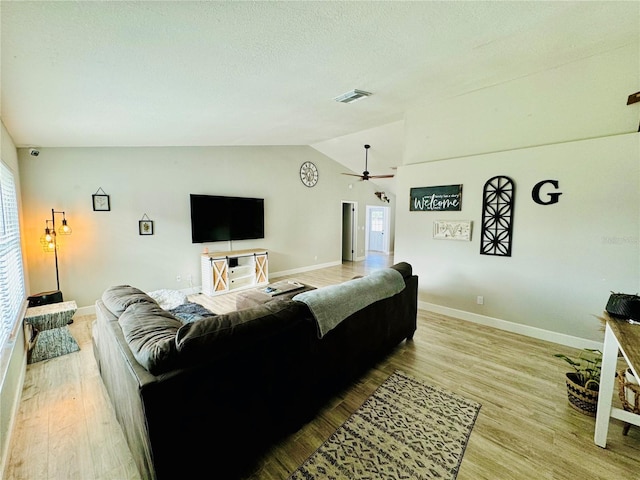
x: 365, y: 175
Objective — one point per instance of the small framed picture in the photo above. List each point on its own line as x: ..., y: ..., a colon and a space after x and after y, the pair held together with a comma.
x: 145, y: 227
x: 101, y: 203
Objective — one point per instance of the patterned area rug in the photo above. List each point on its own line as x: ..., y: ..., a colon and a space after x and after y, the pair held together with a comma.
x: 405, y: 430
x: 52, y: 343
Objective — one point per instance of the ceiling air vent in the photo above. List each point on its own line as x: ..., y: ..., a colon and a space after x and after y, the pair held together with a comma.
x: 351, y: 96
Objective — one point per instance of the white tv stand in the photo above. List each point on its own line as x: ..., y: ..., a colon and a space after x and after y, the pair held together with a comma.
x: 223, y: 272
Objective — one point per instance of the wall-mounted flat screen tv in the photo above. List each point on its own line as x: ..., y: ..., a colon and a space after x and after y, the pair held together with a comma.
x: 217, y: 218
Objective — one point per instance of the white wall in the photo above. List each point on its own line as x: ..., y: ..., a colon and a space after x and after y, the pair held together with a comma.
x: 566, y: 257
x: 302, y: 225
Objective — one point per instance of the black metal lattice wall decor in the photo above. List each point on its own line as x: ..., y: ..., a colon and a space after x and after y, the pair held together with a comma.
x: 497, y: 216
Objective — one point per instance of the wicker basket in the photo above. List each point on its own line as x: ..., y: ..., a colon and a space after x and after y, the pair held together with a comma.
x: 629, y: 393
x: 582, y: 399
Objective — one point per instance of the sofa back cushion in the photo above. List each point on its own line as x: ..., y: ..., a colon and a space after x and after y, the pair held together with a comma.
x: 239, y: 330
x: 150, y: 333
x: 119, y: 297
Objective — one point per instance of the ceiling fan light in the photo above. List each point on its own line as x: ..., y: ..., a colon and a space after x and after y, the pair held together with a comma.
x: 352, y: 96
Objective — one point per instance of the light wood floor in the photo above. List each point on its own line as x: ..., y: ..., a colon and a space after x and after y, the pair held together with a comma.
x: 525, y: 430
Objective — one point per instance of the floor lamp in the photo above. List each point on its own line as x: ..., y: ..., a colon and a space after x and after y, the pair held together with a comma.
x: 49, y: 243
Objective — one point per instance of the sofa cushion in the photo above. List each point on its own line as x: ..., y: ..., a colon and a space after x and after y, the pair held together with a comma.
x: 404, y: 268
x: 215, y: 336
x: 119, y: 297
x: 151, y: 332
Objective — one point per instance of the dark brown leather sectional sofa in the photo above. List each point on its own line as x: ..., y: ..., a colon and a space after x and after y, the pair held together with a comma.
x: 203, y: 399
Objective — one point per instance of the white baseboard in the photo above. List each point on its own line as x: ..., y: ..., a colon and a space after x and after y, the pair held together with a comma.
x: 90, y: 310
x: 303, y: 269
x: 191, y: 290
x: 534, y: 332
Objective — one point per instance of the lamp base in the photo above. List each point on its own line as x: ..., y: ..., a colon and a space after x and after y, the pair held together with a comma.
x: 45, y: 298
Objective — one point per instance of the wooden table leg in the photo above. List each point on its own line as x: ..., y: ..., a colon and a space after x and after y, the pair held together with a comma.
x: 607, y: 381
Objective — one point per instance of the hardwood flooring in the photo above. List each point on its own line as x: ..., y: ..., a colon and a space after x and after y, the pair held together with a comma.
x: 526, y: 429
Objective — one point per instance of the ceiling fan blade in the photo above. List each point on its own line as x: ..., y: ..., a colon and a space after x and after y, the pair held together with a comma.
x: 381, y: 176
x: 352, y: 174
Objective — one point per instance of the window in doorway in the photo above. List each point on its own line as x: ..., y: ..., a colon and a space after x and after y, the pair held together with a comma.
x: 377, y: 220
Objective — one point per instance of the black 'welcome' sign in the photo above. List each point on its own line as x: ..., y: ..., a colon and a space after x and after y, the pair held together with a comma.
x: 436, y: 199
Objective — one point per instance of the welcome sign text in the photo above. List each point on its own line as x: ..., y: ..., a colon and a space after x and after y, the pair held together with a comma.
x: 436, y: 199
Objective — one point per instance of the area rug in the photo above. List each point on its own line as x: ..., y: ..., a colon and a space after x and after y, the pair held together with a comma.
x: 52, y: 343
x: 405, y: 430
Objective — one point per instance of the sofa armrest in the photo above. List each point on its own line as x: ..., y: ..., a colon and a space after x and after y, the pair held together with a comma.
x: 404, y: 268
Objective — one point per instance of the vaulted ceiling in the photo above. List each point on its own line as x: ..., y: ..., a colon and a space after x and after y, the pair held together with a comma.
x: 182, y: 73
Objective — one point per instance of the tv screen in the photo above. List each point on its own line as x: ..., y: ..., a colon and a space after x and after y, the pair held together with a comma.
x: 218, y: 218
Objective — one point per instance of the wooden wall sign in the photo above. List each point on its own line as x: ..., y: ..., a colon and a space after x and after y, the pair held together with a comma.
x: 452, y: 230
x: 497, y: 216
x: 436, y: 199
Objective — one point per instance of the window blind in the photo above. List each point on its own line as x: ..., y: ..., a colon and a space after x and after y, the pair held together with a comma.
x: 12, y: 292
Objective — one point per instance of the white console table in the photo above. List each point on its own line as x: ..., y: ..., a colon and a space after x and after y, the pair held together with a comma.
x: 223, y: 272
x: 624, y: 337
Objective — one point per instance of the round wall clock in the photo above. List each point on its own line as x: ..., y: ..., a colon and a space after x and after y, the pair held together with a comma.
x: 309, y: 174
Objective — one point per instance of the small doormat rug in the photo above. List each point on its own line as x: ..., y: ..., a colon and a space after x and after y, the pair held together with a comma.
x: 405, y: 430
x: 52, y: 343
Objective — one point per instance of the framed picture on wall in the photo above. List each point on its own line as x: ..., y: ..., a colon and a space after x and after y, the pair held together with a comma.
x: 101, y: 203
x: 145, y: 227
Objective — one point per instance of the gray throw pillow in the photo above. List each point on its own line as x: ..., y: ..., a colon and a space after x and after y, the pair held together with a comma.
x: 150, y: 333
x: 119, y: 297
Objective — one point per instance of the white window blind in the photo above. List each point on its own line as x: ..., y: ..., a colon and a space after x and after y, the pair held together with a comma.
x: 12, y: 291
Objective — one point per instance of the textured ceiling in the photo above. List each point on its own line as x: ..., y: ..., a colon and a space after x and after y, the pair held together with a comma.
x: 85, y: 73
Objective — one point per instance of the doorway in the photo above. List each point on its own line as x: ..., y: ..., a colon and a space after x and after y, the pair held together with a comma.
x: 349, y: 225
x: 377, y: 227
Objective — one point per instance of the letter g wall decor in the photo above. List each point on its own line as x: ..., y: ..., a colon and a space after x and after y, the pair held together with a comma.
x: 497, y: 216
x: 553, y: 197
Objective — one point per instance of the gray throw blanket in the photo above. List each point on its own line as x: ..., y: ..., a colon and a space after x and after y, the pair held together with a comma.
x: 190, y: 312
x: 330, y: 305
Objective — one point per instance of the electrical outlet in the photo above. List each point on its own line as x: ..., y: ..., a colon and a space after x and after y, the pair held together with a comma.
x: 480, y: 300
x: 178, y: 278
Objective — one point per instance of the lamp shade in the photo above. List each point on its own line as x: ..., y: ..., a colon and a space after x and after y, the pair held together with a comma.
x: 64, y: 228
x: 48, y: 240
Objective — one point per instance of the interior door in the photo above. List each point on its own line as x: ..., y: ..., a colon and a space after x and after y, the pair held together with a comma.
x: 348, y: 232
x: 377, y: 229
